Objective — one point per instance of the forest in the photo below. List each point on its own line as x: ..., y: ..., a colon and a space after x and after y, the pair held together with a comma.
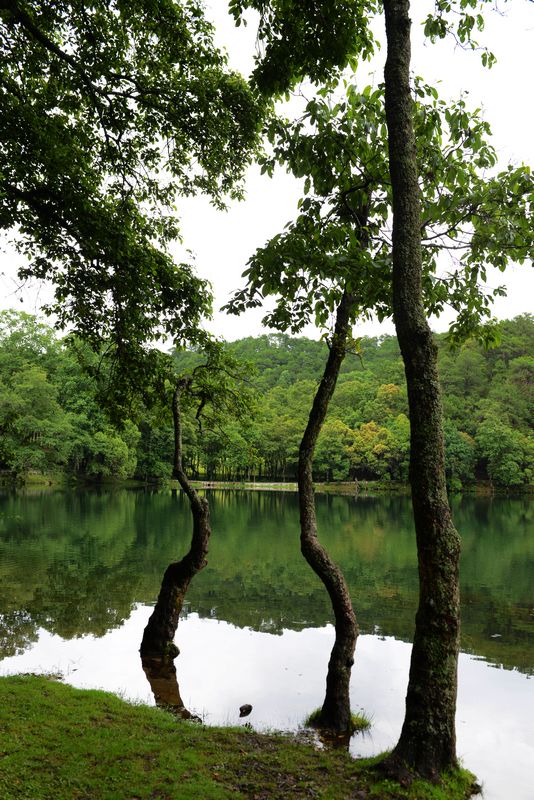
x: 115, y: 112
x: 55, y: 421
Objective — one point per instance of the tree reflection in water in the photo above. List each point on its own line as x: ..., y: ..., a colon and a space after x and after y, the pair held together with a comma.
x: 161, y: 675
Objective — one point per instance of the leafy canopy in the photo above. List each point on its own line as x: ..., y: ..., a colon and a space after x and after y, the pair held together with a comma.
x: 315, y: 39
x: 341, y: 238
x: 110, y: 111
x: 307, y: 38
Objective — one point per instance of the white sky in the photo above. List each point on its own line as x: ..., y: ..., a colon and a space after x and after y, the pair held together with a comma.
x: 223, y: 242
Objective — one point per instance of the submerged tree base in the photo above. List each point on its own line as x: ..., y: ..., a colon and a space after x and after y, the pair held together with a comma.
x: 358, y: 722
x: 330, y: 736
x: 136, y: 751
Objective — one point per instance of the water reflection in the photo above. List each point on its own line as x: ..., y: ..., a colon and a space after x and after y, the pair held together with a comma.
x: 77, y: 563
x: 222, y: 666
x: 79, y: 570
x: 161, y: 675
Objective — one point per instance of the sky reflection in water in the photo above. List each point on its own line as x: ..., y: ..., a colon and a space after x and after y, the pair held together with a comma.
x: 222, y: 666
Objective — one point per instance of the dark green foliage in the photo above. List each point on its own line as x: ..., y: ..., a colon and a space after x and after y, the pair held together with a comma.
x: 51, y: 418
x: 309, y: 38
x: 109, y: 113
x: 314, y: 39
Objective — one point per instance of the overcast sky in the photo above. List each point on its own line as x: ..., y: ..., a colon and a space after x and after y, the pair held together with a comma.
x: 223, y: 242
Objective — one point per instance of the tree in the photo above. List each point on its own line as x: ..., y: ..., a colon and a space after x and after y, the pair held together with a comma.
x: 321, y: 265
x: 507, y: 454
x: 513, y: 389
x: 25, y: 340
x: 36, y: 432
x: 158, y: 636
x: 109, y: 113
x: 333, y: 448
x: 50, y: 419
x: 335, y: 258
x: 389, y: 401
x: 459, y: 456
x: 335, y: 712
x: 210, y: 386
x: 427, y: 742
x: 371, y: 451
x: 399, y: 447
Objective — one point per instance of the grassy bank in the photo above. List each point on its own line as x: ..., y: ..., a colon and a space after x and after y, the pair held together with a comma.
x: 67, y: 744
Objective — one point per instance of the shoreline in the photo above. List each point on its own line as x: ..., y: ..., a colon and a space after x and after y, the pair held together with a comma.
x: 345, y: 488
x: 129, y: 750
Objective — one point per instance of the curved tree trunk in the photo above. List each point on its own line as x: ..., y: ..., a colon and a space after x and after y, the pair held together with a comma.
x: 335, y: 712
x: 158, y: 636
x: 427, y: 743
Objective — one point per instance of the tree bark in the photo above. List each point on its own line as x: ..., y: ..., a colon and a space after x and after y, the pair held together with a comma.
x: 335, y: 712
x: 427, y: 742
x: 158, y: 636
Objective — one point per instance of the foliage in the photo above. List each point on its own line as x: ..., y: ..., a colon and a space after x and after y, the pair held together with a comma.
x: 316, y: 39
x: 306, y: 39
x: 367, y: 402
x: 52, y: 419
x: 217, y: 384
x: 110, y: 112
x: 508, y: 454
x: 459, y: 456
x: 341, y: 238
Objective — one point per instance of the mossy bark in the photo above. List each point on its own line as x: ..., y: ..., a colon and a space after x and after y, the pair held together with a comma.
x: 158, y: 636
x: 335, y: 712
x: 427, y: 742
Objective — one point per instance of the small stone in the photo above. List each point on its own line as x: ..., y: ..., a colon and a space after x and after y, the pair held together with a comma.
x: 245, y: 710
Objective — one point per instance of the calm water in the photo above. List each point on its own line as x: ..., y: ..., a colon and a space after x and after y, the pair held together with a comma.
x: 79, y: 571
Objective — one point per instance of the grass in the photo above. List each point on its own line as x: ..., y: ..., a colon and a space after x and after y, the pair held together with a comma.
x: 61, y: 743
x: 359, y: 722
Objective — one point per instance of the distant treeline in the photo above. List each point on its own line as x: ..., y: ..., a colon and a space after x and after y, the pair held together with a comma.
x: 52, y: 421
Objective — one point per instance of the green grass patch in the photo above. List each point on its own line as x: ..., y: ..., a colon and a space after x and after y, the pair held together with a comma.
x: 359, y: 722
x: 61, y: 743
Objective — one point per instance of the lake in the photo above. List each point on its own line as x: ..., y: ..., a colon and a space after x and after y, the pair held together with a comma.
x: 80, y: 570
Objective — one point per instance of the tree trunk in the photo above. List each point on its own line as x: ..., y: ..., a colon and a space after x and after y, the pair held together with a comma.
x: 427, y: 743
x: 335, y: 712
x: 158, y: 636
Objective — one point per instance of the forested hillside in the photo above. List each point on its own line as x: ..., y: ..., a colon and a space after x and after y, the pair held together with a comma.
x: 53, y: 418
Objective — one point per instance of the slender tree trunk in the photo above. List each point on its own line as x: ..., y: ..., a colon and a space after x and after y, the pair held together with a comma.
x: 158, y: 636
x: 335, y: 712
x: 427, y: 743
